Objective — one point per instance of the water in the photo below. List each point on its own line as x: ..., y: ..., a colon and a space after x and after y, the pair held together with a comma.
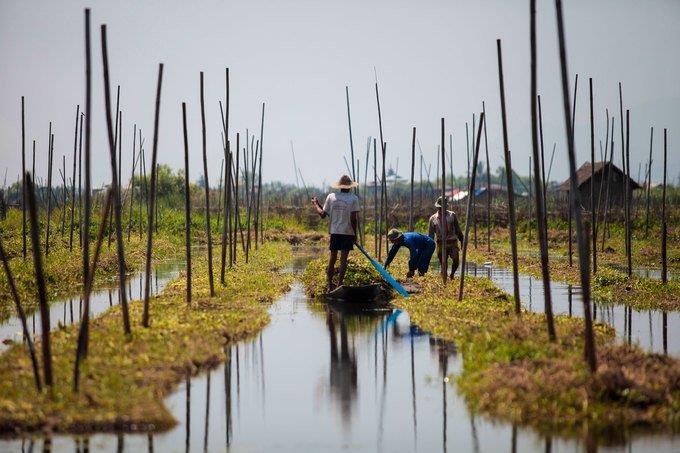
x: 69, y: 310
x: 652, y: 330
x: 328, y: 378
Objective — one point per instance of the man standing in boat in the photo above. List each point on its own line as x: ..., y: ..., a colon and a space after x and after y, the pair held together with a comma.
x: 453, y: 233
x: 421, y: 248
x: 342, y: 208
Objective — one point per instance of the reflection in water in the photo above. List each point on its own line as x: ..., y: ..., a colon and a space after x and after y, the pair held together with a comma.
x: 631, y: 326
x: 338, y: 378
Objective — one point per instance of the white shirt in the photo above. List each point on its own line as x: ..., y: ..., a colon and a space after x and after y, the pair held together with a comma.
x: 339, y: 207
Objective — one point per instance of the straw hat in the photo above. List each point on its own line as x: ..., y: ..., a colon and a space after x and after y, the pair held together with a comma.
x: 394, y: 234
x: 345, y: 183
x: 438, y: 203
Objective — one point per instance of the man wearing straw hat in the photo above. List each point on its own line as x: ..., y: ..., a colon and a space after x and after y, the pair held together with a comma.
x: 453, y: 233
x: 342, y: 207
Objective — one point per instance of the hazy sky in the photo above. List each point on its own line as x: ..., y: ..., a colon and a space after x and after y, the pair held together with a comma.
x: 433, y: 59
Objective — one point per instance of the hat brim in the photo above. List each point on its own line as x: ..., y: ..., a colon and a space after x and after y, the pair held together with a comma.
x: 439, y: 205
x: 345, y: 186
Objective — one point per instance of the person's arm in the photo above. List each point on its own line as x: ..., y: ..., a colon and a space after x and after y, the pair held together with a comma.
x: 318, y: 208
x: 431, y: 228
x: 456, y: 228
x: 354, y: 219
x: 392, y: 253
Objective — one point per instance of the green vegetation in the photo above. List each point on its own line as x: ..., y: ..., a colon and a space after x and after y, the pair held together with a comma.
x: 359, y: 272
x: 124, y: 381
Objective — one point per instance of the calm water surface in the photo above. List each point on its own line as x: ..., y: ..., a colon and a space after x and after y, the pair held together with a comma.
x: 335, y: 378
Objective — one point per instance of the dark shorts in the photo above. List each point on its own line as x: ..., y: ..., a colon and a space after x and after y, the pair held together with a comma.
x: 341, y: 242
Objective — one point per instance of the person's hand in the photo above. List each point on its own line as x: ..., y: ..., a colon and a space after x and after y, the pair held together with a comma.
x: 315, y: 201
x: 410, y: 274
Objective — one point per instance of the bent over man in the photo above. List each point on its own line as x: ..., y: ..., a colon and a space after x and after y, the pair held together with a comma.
x: 342, y: 208
x: 453, y: 234
x: 420, y: 247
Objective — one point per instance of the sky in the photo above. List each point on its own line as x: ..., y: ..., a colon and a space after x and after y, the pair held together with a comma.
x: 433, y: 59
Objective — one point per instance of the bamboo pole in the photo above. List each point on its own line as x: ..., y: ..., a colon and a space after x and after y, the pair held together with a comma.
x: 581, y: 237
x: 207, y: 193
x: 23, y: 186
x: 83, y: 331
x: 237, y: 214
x: 50, y: 148
x: 62, y: 173
x: 226, y: 225
x: 443, y: 210
x: 88, y: 105
x: 602, y: 178
x: 649, y: 180
x: 383, y: 199
x: 664, y: 226
x: 115, y: 179
x: 488, y: 184
x: 258, y: 215
x: 593, y: 219
x: 219, y: 194
x: 73, y: 186
x: 544, y: 182
x: 20, y: 310
x: 152, y: 201
x: 375, y: 197
x: 508, y: 174
x: 471, y: 188
x: 609, y: 171
x: 413, y: 168
x: 187, y: 202
x: 629, y: 250
x: 132, y: 180
x: 40, y: 283
x: 351, y: 141
x: 539, y: 184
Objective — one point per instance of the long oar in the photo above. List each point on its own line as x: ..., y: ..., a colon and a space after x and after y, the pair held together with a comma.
x: 386, y: 275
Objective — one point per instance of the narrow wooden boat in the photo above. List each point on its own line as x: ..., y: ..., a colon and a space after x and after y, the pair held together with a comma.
x: 357, y: 294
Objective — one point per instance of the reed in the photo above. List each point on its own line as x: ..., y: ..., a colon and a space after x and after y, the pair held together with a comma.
x: 187, y: 203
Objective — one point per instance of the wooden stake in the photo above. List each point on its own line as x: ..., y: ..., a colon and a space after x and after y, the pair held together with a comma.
x: 443, y: 212
x: 88, y: 110
x: 376, y: 227
x: 20, y: 309
x: 539, y: 184
x: 508, y: 175
x: 488, y: 184
x: 40, y: 283
x: 581, y: 237
x: 73, y: 179
x: 258, y: 215
x: 351, y: 141
x: 413, y: 168
x: 132, y: 180
x: 187, y: 202
x: 152, y: 201
x: 207, y: 193
x: 664, y: 227
x: 649, y: 180
x: 50, y: 149
x: 83, y: 332
x: 593, y: 219
x: 629, y: 250
x: 116, y: 192
x: 23, y: 186
x: 471, y: 188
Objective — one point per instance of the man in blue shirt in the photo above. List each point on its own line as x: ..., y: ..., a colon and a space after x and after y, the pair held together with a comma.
x: 419, y: 245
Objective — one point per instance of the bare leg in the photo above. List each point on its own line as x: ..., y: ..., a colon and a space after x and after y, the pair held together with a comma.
x: 343, y: 265
x: 331, y: 269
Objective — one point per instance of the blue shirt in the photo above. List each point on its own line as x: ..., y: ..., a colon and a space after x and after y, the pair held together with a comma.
x: 415, y: 242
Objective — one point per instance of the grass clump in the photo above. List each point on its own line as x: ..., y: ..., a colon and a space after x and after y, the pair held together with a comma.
x: 359, y: 272
x: 123, y: 382
x: 513, y: 372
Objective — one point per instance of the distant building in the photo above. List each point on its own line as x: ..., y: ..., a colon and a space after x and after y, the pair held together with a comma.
x: 603, y: 171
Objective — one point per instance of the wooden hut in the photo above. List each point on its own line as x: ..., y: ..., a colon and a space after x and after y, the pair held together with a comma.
x: 604, y: 174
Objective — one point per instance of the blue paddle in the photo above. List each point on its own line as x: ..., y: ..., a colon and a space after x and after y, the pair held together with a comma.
x: 386, y: 275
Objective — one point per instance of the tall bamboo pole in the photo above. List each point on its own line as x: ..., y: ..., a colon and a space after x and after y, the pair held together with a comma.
x: 73, y: 179
x: 152, y: 201
x: 629, y: 250
x: 539, y: 183
x: 50, y: 149
x: 443, y: 210
x: 508, y: 175
x: 23, y: 186
x: 207, y: 192
x: 581, y: 236
x: 413, y: 168
x: 258, y: 215
x: 664, y: 227
x: 237, y: 214
x: 488, y: 184
x: 649, y: 180
x: 544, y: 182
x: 116, y: 191
x: 132, y: 180
x: 471, y: 188
x: 20, y: 310
x: 40, y: 283
x: 80, y: 170
x: 593, y: 219
x: 351, y: 141
x: 609, y: 174
x: 88, y: 115
x: 187, y: 202
x: 376, y: 230
x: 83, y: 331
